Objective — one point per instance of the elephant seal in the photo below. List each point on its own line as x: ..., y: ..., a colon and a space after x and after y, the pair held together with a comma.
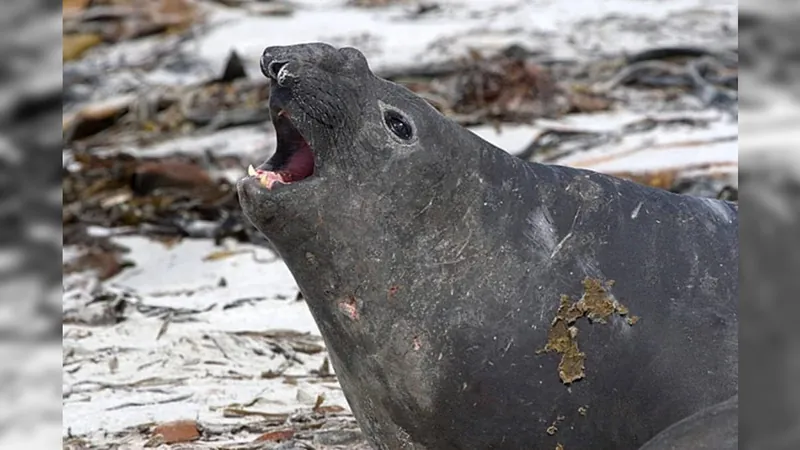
x: 714, y: 428
x: 471, y: 300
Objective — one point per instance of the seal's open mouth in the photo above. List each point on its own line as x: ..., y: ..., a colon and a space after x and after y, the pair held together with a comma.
x: 293, y: 160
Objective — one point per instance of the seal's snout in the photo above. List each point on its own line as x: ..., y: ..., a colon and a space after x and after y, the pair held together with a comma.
x: 280, y: 63
x: 276, y: 69
x: 284, y: 63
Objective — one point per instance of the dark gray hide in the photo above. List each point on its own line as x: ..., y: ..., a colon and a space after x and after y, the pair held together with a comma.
x: 714, y: 428
x: 434, y: 267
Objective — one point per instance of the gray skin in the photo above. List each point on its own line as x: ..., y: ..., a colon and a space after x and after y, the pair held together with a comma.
x: 714, y: 428
x: 433, y: 267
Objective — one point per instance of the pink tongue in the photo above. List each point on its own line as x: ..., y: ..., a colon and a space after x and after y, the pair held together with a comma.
x: 301, y: 165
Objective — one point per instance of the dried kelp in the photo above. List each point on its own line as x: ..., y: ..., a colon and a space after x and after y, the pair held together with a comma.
x: 174, y: 196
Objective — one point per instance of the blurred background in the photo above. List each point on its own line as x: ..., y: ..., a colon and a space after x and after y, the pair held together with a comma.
x: 30, y: 201
x: 770, y: 228
x: 180, y: 327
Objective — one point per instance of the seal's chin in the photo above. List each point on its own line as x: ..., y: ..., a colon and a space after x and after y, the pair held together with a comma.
x: 293, y: 160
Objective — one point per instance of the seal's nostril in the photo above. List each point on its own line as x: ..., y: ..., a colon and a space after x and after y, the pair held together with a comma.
x: 274, y: 68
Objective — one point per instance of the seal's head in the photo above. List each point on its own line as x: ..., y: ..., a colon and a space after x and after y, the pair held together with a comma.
x: 348, y: 145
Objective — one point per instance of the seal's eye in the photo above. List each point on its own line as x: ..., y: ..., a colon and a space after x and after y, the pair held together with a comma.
x: 399, y: 126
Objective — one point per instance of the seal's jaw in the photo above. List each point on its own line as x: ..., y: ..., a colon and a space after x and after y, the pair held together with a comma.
x: 282, y: 189
x: 293, y: 160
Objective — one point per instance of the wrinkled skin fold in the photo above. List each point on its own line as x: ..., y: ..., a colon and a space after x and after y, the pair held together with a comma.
x: 434, y: 264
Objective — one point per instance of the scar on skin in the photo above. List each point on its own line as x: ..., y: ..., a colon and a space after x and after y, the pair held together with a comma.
x: 597, y: 306
x: 392, y: 290
x: 348, y: 306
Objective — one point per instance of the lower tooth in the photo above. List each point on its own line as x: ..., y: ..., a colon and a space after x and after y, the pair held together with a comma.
x: 269, y: 179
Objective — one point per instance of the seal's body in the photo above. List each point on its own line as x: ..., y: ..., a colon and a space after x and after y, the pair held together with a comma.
x: 471, y: 300
x: 714, y: 428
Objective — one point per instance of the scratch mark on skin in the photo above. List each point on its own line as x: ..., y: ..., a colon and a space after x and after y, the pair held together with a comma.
x: 508, y: 346
x: 464, y: 245
x: 457, y: 258
x: 560, y: 244
x: 541, y: 230
x: 636, y: 210
x: 422, y: 211
x: 718, y: 209
x: 569, y: 235
x: 448, y: 263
